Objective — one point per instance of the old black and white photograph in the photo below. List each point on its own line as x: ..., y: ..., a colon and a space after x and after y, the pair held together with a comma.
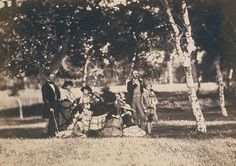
x: 117, y: 82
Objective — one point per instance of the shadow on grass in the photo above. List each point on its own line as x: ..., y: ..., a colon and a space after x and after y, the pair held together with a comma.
x: 161, y: 131
x: 210, y: 114
x: 182, y: 132
x: 11, y: 117
x: 30, y: 133
x: 32, y: 110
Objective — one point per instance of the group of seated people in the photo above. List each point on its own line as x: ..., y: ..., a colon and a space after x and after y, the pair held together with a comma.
x: 105, y: 114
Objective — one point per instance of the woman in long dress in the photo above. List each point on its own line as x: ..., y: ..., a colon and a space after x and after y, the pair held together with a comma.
x: 66, y: 116
x: 67, y: 104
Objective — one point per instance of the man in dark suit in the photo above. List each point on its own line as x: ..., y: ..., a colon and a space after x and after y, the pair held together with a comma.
x: 51, y: 96
x: 135, y: 90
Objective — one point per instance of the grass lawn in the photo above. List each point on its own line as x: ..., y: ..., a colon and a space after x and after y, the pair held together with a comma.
x: 118, y: 151
x: 174, y: 141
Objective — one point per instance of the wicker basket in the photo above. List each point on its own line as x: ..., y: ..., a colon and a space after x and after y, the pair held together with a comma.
x: 97, y: 122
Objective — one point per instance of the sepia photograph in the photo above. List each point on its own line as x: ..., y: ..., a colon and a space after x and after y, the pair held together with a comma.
x: 117, y: 82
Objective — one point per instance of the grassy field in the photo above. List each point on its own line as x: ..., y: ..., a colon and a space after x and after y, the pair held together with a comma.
x: 118, y: 151
x: 174, y: 140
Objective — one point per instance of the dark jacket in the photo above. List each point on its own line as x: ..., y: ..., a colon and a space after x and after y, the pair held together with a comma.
x: 50, y: 98
x: 130, y: 89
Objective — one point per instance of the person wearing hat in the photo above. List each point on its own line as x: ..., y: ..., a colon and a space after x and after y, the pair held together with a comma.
x: 51, y: 96
x: 66, y: 92
x: 108, y: 98
x: 124, y: 110
x: 83, y: 118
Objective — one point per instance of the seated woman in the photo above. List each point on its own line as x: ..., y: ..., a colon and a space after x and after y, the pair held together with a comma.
x: 124, y: 110
x: 120, y: 122
x: 113, y: 125
x: 84, y: 117
x: 149, y: 102
x: 108, y: 98
x: 97, y: 105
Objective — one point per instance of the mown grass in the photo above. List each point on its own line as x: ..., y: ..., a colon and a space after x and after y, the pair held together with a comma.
x: 118, y: 151
x: 175, y: 141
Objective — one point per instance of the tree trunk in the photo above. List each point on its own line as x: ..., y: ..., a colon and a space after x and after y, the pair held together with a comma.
x: 198, y: 75
x: 170, y: 71
x: 221, y: 88
x: 19, y: 103
x: 133, y: 62
x: 61, y: 54
x: 188, y: 71
x: 85, y: 75
x: 200, y: 121
x: 230, y: 77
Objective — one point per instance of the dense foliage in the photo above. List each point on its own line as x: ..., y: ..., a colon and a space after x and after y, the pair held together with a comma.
x: 36, y: 36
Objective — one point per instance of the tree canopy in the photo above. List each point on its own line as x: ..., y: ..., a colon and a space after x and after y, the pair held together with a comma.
x: 36, y: 36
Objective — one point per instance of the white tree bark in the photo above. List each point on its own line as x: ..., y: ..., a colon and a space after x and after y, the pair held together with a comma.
x: 133, y: 62
x: 188, y: 69
x: 86, y: 70
x: 200, y: 121
x: 198, y: 74
x: 221, y: 88
x: 132, y: 65
x: 230, y: 77
x: 170, y: 71
x: 19, y: 103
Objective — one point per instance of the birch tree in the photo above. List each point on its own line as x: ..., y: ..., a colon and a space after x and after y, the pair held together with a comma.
x: 221, y: 87
x: 170, y: 68
x: 213, y: 33
x: 200, y: 121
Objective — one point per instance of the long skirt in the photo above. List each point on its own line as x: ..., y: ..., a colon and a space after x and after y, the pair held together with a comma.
x: 65, y: 116
x: 113, y: 128
x: 84, y: 120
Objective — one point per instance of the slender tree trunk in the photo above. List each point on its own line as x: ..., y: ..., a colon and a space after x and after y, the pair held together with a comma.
x: 201, y: 125
x: 188, y: 69
x: 19, y: 103
x: 198, y: 77
x: 230, y: 77
x: 221, y: 88
x: 62, y: 53
x: 85, y: 76
x: 64, y: 64
x: 56, y: 64
x: 133, y: 62
x: 200, y: 121
x: 170, y: 71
